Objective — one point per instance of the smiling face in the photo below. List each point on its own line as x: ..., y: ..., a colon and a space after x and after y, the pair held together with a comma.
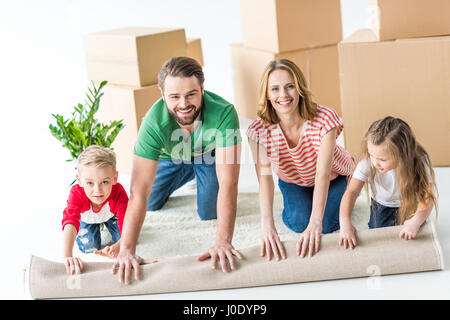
x: 97, y: 183
x: 282, y: 92
x: 183, y: 97
x: 380, y: 156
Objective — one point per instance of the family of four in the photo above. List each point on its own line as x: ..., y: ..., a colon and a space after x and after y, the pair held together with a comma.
x: 193, y: 133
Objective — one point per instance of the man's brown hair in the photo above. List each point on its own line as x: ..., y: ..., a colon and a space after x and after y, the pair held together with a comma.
x: 184, y: 67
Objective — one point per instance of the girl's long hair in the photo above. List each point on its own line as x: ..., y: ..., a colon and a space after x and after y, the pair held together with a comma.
x: 414, y: 172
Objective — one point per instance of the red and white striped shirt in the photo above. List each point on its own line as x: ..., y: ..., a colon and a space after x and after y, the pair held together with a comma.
x: 298, y: 165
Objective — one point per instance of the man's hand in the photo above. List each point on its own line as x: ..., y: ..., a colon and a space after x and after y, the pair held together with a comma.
x: 221, y: 251
x: 126, y: 262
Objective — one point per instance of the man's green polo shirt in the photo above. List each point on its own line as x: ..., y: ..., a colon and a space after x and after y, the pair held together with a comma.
x: 160, y: 136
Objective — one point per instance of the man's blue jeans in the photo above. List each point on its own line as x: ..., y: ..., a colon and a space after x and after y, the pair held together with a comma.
x: 297, y: 202
x: 171, y: 175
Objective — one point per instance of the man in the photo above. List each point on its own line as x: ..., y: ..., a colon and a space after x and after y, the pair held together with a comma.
x: 189, y: 132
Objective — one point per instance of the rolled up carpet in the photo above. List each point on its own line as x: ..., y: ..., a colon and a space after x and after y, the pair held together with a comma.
x: 377, y: 248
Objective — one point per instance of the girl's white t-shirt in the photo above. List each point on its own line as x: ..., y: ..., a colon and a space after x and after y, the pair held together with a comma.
x: 384, y: 189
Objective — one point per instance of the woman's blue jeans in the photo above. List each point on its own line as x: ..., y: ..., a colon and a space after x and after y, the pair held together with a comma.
x: 171, y: 175
x: 298, y: 205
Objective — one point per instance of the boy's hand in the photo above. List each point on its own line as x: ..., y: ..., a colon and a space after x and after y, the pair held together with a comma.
x: 410, y: 229
x: 73, y: 265
x: 347, y: 237
x: 109, y: 251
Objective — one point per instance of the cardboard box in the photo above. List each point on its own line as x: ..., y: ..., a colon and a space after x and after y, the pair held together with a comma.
x: 130, y: 104
x: 408, y: 79
x: 323, y: 76
x: 397, y: 19
x: 131, y: 56
x: 320, y: 67
x: 287, y: 25
x: 194, y: 49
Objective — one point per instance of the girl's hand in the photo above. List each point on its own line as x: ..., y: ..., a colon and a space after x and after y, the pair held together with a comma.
x: 309, y: 240
x: 410, y: 229
x: 73, y: 265
x: 270, y: 242
x: 347, y: 237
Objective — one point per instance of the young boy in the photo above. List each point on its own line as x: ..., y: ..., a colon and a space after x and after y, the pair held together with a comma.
x: 97, y: 199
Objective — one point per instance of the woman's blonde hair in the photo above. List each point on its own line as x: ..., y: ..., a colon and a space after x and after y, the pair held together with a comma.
x: 307, y: 109
x: 97, y: 156
x: 414, y: 172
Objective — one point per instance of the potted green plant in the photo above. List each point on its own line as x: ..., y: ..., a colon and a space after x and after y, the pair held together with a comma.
x: 82, y: 129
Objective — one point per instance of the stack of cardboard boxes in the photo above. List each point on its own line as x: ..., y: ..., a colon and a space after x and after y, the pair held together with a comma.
x: 403, y: 70
x: 304, y: 31
x: 130, y: 59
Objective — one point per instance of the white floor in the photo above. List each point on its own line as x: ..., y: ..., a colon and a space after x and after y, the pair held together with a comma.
x: 37, y: 231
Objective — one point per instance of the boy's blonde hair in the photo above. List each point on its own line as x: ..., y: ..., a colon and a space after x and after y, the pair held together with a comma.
x: 307, y: 109
x: 98, y: 157
x: 414, y: 173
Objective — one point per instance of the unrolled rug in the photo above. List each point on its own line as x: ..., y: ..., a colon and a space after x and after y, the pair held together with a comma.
x: 175, y: 237
x: 176, y: 229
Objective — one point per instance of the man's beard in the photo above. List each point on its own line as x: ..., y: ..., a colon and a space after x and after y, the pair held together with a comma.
x: 185, y: 121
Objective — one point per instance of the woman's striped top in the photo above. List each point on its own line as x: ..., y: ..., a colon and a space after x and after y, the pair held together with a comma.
x: 298, y: 165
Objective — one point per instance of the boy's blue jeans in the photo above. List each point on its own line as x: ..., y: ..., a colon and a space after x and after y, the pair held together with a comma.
x: 88, y: 237
x: 381, y: 216
x: 298, y: 200
x: 171, y: 175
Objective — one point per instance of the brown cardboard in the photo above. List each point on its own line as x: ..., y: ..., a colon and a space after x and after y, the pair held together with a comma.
x: 131, y: 56
x: 362, y: 35
x: 130, y: 104
x: 320, y: 67
x: 287, y: 25
x: 410, y: 18
x: 194, y: 49
x: 409, y: 79
x: 324, y: 76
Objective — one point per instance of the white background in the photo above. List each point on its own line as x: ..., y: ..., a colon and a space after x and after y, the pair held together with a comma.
x: 43, y: 72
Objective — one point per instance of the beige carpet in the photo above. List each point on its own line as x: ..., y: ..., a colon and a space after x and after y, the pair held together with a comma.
x: 175, y: 236
x: 176, y: 229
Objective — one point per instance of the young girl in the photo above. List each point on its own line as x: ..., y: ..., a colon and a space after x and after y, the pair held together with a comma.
x: 401, y: 179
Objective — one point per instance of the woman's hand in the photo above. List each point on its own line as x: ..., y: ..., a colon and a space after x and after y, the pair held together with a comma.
x: 347, y: 235
x: 270, y: 242
x: 309, y: 240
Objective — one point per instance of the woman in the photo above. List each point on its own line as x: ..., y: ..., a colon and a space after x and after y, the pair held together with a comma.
x: 297, y: 138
